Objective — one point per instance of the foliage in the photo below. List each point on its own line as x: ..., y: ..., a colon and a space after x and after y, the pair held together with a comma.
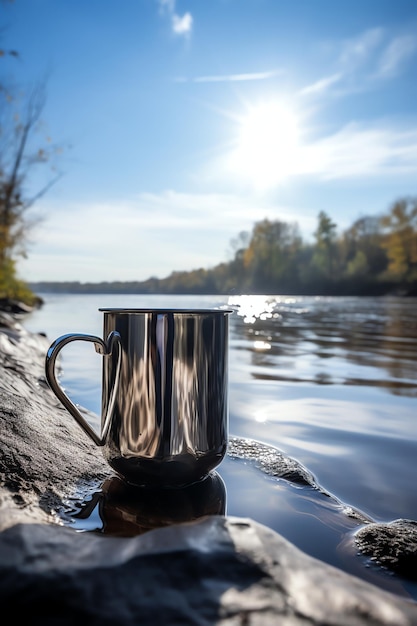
x: 400, y: 241
x: 270, y: 255
x: 361, y: 248
x: 20, y: 155
x: 324, y: 260
x: 11, y: 288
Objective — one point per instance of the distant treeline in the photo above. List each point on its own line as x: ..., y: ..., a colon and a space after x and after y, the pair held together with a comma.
x: 374, y: 256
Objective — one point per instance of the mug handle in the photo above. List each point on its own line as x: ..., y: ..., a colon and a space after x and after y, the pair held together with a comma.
x: 102, y: 347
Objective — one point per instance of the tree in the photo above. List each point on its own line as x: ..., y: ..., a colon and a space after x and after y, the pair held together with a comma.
x: 324, y: 259
x: 400, y: 240
x: 361, y: 247
x: 237, y: 274
x: 20, y: 155
x: 270, y: 256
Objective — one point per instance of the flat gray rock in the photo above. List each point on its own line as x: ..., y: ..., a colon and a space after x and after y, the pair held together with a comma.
x: 224, y: 571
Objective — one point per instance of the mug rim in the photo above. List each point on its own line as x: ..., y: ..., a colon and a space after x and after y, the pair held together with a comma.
x: 163, y: 310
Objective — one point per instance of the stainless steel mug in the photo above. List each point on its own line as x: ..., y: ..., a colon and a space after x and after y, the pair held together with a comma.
x: 164, y: 392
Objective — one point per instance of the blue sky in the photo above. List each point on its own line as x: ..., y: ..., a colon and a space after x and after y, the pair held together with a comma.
x: 184, y: 122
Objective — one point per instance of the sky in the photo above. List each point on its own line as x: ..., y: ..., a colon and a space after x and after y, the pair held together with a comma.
x: 182, y: 123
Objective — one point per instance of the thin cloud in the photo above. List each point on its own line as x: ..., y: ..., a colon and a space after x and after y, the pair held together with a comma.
x: 355, y: 152
x: 320, y: 85
x: 181, y: 24
x: 384, y: 152
x: 376, y: 55
x: 222, y: 78
x: 166, y: 6
x: 358, y: 50
x: 398, y: 51
x: 364, y: 61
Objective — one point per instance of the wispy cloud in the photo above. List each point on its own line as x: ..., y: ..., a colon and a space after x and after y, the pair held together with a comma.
x: 377, y: 53
x: 166, y: 6
x: 181, y: 24
x: 364, y: 61
x: 398, y: 51
x: 357, y: 51
x: 222, y: 78
x: 320, y: 85
x: 356, y: 152
x: 226, y: 78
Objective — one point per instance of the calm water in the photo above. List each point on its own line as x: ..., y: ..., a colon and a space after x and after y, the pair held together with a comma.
x: 331, y: 382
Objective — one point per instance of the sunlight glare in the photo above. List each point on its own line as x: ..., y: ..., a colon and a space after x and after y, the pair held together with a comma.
x: 268, y: 144
x: 253, y: 307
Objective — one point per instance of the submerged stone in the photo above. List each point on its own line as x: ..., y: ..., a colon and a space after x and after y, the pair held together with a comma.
x: 270, y: 460
x: 392, y: 545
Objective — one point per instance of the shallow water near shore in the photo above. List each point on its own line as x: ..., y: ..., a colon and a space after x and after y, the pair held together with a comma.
x: 331, y: 382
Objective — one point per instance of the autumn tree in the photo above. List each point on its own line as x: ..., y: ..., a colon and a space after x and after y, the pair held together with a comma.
x: 400, y: 241
x: 22, y: 150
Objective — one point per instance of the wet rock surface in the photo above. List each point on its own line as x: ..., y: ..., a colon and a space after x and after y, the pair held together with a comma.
x: 41, y: 450
x: 219, y: 571
x: 392, y: 545
x: 213, y: 570
x: 270, y: 461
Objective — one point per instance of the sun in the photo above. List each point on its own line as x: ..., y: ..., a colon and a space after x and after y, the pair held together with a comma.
x: 268, y: 144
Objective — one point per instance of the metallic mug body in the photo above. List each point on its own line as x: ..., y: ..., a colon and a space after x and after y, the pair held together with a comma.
x: 164, y: 392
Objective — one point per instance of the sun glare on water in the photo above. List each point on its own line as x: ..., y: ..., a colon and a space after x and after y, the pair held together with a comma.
x: 268, y: 145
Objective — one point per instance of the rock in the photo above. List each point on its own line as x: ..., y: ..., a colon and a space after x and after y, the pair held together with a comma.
x: 392, y: 545
x: 16, y: 307
x: 270, y: 461
x: 213, y: 570
x: 223, y: 571
x: 43, y: 452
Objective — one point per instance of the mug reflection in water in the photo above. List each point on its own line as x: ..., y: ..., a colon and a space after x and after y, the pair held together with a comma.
x: 123, y: 510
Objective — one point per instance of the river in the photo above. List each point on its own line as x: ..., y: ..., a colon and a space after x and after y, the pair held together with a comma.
x: 331, y: 382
